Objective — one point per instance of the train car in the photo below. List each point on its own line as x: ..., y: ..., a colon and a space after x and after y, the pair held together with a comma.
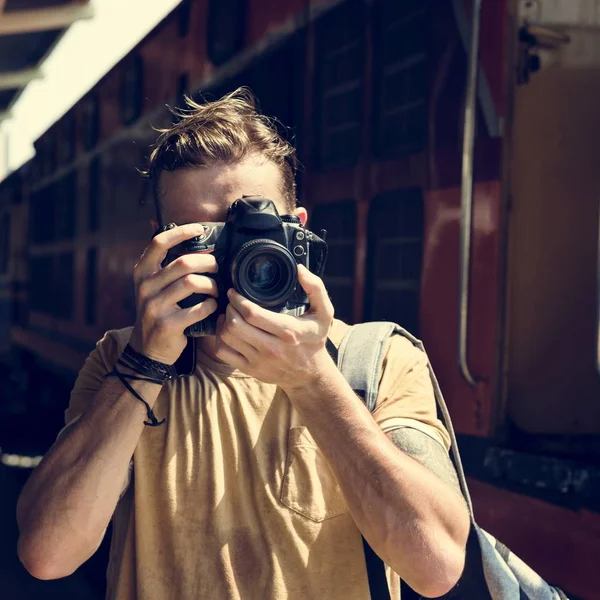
x: 448, y: 147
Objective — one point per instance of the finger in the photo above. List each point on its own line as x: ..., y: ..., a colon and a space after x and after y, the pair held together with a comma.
x: 320, y: 304
x: 185, y: 317
x: 236, y: 330
x: 184, y: 287
x: 278, y: 324
x: 189, y: 263
x: 157, y: 249
x: 224, y: 352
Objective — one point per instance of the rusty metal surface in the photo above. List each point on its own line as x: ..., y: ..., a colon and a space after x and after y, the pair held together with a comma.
x: 560, y: 543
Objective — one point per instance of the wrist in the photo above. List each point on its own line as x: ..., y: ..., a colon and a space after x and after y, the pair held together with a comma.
x: 317, y: 376
x: 146, y: 366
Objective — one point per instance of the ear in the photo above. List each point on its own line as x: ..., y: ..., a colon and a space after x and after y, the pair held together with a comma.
x: 301, y: 213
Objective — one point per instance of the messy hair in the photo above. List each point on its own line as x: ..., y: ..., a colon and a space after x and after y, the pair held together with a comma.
x: 224, y: 131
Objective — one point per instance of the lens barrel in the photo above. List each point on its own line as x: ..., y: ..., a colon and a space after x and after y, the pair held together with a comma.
x: 265, y: 272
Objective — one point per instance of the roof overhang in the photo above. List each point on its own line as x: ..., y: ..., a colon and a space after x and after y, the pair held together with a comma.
x: 29, y: 30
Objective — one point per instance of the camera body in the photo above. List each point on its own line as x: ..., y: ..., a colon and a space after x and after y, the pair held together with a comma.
x: 258, y: 253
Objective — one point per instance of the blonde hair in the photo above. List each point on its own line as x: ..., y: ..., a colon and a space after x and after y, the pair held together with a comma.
x: 224, y: 131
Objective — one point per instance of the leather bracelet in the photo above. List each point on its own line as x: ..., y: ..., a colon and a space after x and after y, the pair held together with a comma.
x: 146, y: 366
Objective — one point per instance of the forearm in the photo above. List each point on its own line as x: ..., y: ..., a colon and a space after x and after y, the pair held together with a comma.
x: 414, y: 521
x: 69, y: 499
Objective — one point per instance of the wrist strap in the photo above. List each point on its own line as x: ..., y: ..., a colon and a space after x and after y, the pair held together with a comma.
x: 146, y: 366
x: 150, y: 370
x: 123, y: 377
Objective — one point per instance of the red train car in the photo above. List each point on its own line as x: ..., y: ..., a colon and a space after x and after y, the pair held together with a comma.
x: 500, y: 281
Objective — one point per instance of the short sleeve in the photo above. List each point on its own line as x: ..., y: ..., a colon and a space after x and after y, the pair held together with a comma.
x: 91, y: 378
x: 406, y: 397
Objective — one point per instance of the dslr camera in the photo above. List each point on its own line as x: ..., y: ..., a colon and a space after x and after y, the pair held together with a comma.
x: 258, y: 253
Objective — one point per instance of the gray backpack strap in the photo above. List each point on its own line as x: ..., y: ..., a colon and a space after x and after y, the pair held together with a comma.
x: 360, y: 360
x: 506, y: 577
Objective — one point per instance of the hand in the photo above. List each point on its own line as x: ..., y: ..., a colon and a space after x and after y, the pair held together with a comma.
x: 160, y: 323
x: 274, y: 347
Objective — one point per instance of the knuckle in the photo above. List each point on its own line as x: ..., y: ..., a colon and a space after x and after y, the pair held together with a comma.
x: 249, y: 313
x: 186, y: 261
x: 289, y: 336
x: 151, y: 310
x: 226, y: 335
x: 189, y: 280
x: 329, y: 311
x: 143, y: 289
x: 159, y: 243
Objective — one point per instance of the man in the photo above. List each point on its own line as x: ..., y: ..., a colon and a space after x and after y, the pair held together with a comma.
x: 268, y: 467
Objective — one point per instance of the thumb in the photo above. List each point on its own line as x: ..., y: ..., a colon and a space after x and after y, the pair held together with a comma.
x: 320, y: 304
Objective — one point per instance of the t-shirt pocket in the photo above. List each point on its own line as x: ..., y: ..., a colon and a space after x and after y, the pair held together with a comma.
x: 309, y: 486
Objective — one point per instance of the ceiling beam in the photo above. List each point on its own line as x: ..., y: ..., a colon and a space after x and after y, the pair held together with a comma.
x: 2, y: 4
x: 43, y: 19
x: 11, y: 80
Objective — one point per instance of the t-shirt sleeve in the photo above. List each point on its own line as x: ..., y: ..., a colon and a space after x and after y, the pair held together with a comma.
x: 406, y: 397
x: 91, y: 377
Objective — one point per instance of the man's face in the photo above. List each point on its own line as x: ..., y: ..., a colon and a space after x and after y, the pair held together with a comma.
x: 205, y: 193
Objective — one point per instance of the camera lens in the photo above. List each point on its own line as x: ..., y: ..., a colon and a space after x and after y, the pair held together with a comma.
x: 265, y: 272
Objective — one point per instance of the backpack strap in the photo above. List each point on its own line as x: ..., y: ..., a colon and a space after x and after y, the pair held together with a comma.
x: 360, y: 360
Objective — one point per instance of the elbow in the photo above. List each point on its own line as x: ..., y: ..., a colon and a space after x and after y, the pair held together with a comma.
x: 40, y: 567
x: 445, y: 577
x: 42, y: 563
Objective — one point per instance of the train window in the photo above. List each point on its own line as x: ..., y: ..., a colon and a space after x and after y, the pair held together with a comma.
x: 394, y: 258
x: 285, y: 101
x: 400, y: 77
x: 132, y: 89
x: 49, y: 152
x: 339, y: 219
x: 41, y: 285
x: 4, y: 242
x: 41, y: 226
x: 226, y: 29
x: 63, y: 286
x: 184, y: 18
x: 65, y: 204
x: 90, y: 286
x: 94, y: 193
x: 66, y: 139
x: 91, y: 121
x: 340, y: 48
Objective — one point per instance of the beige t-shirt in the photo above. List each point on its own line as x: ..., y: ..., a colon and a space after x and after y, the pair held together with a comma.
x: 231, y: 498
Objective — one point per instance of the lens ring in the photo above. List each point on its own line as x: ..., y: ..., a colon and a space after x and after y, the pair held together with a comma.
x: 264, y: 272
